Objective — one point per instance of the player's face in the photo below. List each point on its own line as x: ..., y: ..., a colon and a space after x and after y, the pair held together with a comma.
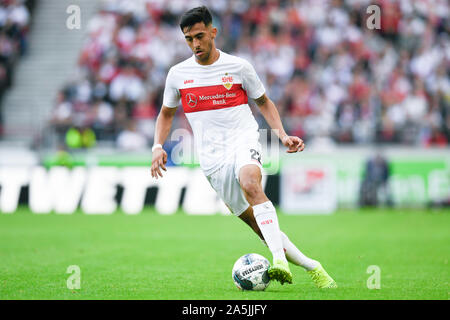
x: 200, y: 39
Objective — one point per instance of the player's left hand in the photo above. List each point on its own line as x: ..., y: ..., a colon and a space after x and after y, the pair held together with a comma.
x: 294, y: 144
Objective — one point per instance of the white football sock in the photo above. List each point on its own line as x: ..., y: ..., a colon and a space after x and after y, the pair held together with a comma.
x: 294, y: 255
x: 267, y: 220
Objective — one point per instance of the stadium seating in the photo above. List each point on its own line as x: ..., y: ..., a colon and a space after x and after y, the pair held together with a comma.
x: 331, y: 77
x: 14, y: 25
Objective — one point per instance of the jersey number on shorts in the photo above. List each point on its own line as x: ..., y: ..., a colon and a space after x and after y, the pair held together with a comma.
x: 255, y: 155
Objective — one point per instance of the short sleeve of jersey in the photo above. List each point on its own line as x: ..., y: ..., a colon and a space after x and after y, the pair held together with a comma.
x: 171, y: 96
x: 251, y: 82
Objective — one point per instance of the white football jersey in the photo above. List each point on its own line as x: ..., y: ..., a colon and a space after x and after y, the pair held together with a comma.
x: 215, y: 100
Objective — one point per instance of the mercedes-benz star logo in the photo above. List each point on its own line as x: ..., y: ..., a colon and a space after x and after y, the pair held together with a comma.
x: 191, y: 100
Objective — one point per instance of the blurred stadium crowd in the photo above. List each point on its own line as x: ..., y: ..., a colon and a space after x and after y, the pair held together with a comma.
x: 14, y: 24
x: 331, y: 77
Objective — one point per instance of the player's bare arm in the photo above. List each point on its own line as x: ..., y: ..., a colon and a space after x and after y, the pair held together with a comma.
x: 162, y: 130
x: 270, y: 113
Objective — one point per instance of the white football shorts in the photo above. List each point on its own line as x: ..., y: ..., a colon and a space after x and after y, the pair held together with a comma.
x: 225, y: 180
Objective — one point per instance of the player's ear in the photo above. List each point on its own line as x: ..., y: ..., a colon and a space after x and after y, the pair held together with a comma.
x: 214, y: 32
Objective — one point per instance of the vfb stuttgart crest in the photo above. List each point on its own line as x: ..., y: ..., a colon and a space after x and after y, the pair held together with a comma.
x: 227, y: 81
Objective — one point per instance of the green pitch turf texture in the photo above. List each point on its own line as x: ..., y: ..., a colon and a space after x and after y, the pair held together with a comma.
x: 150, y: 256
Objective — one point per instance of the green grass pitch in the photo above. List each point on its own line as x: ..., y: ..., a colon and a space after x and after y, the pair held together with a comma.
x: 150, y: 256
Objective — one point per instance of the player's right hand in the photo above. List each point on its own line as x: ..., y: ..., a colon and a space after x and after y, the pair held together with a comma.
x: 159, y: 160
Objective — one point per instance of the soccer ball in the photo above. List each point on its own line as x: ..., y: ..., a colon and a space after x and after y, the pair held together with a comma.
x: 250, y: 272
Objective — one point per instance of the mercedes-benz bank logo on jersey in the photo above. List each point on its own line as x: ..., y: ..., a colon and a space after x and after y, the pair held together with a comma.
x: 191, y: 100
x: 218, y: 96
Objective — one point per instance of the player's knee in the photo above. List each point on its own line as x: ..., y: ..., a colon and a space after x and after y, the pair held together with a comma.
x: 251, y: 187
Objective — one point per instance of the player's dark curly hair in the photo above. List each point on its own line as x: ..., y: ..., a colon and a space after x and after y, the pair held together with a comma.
x: 195, y: 15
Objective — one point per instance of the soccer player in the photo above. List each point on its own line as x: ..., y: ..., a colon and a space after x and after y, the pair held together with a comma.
x: 214, y: 87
